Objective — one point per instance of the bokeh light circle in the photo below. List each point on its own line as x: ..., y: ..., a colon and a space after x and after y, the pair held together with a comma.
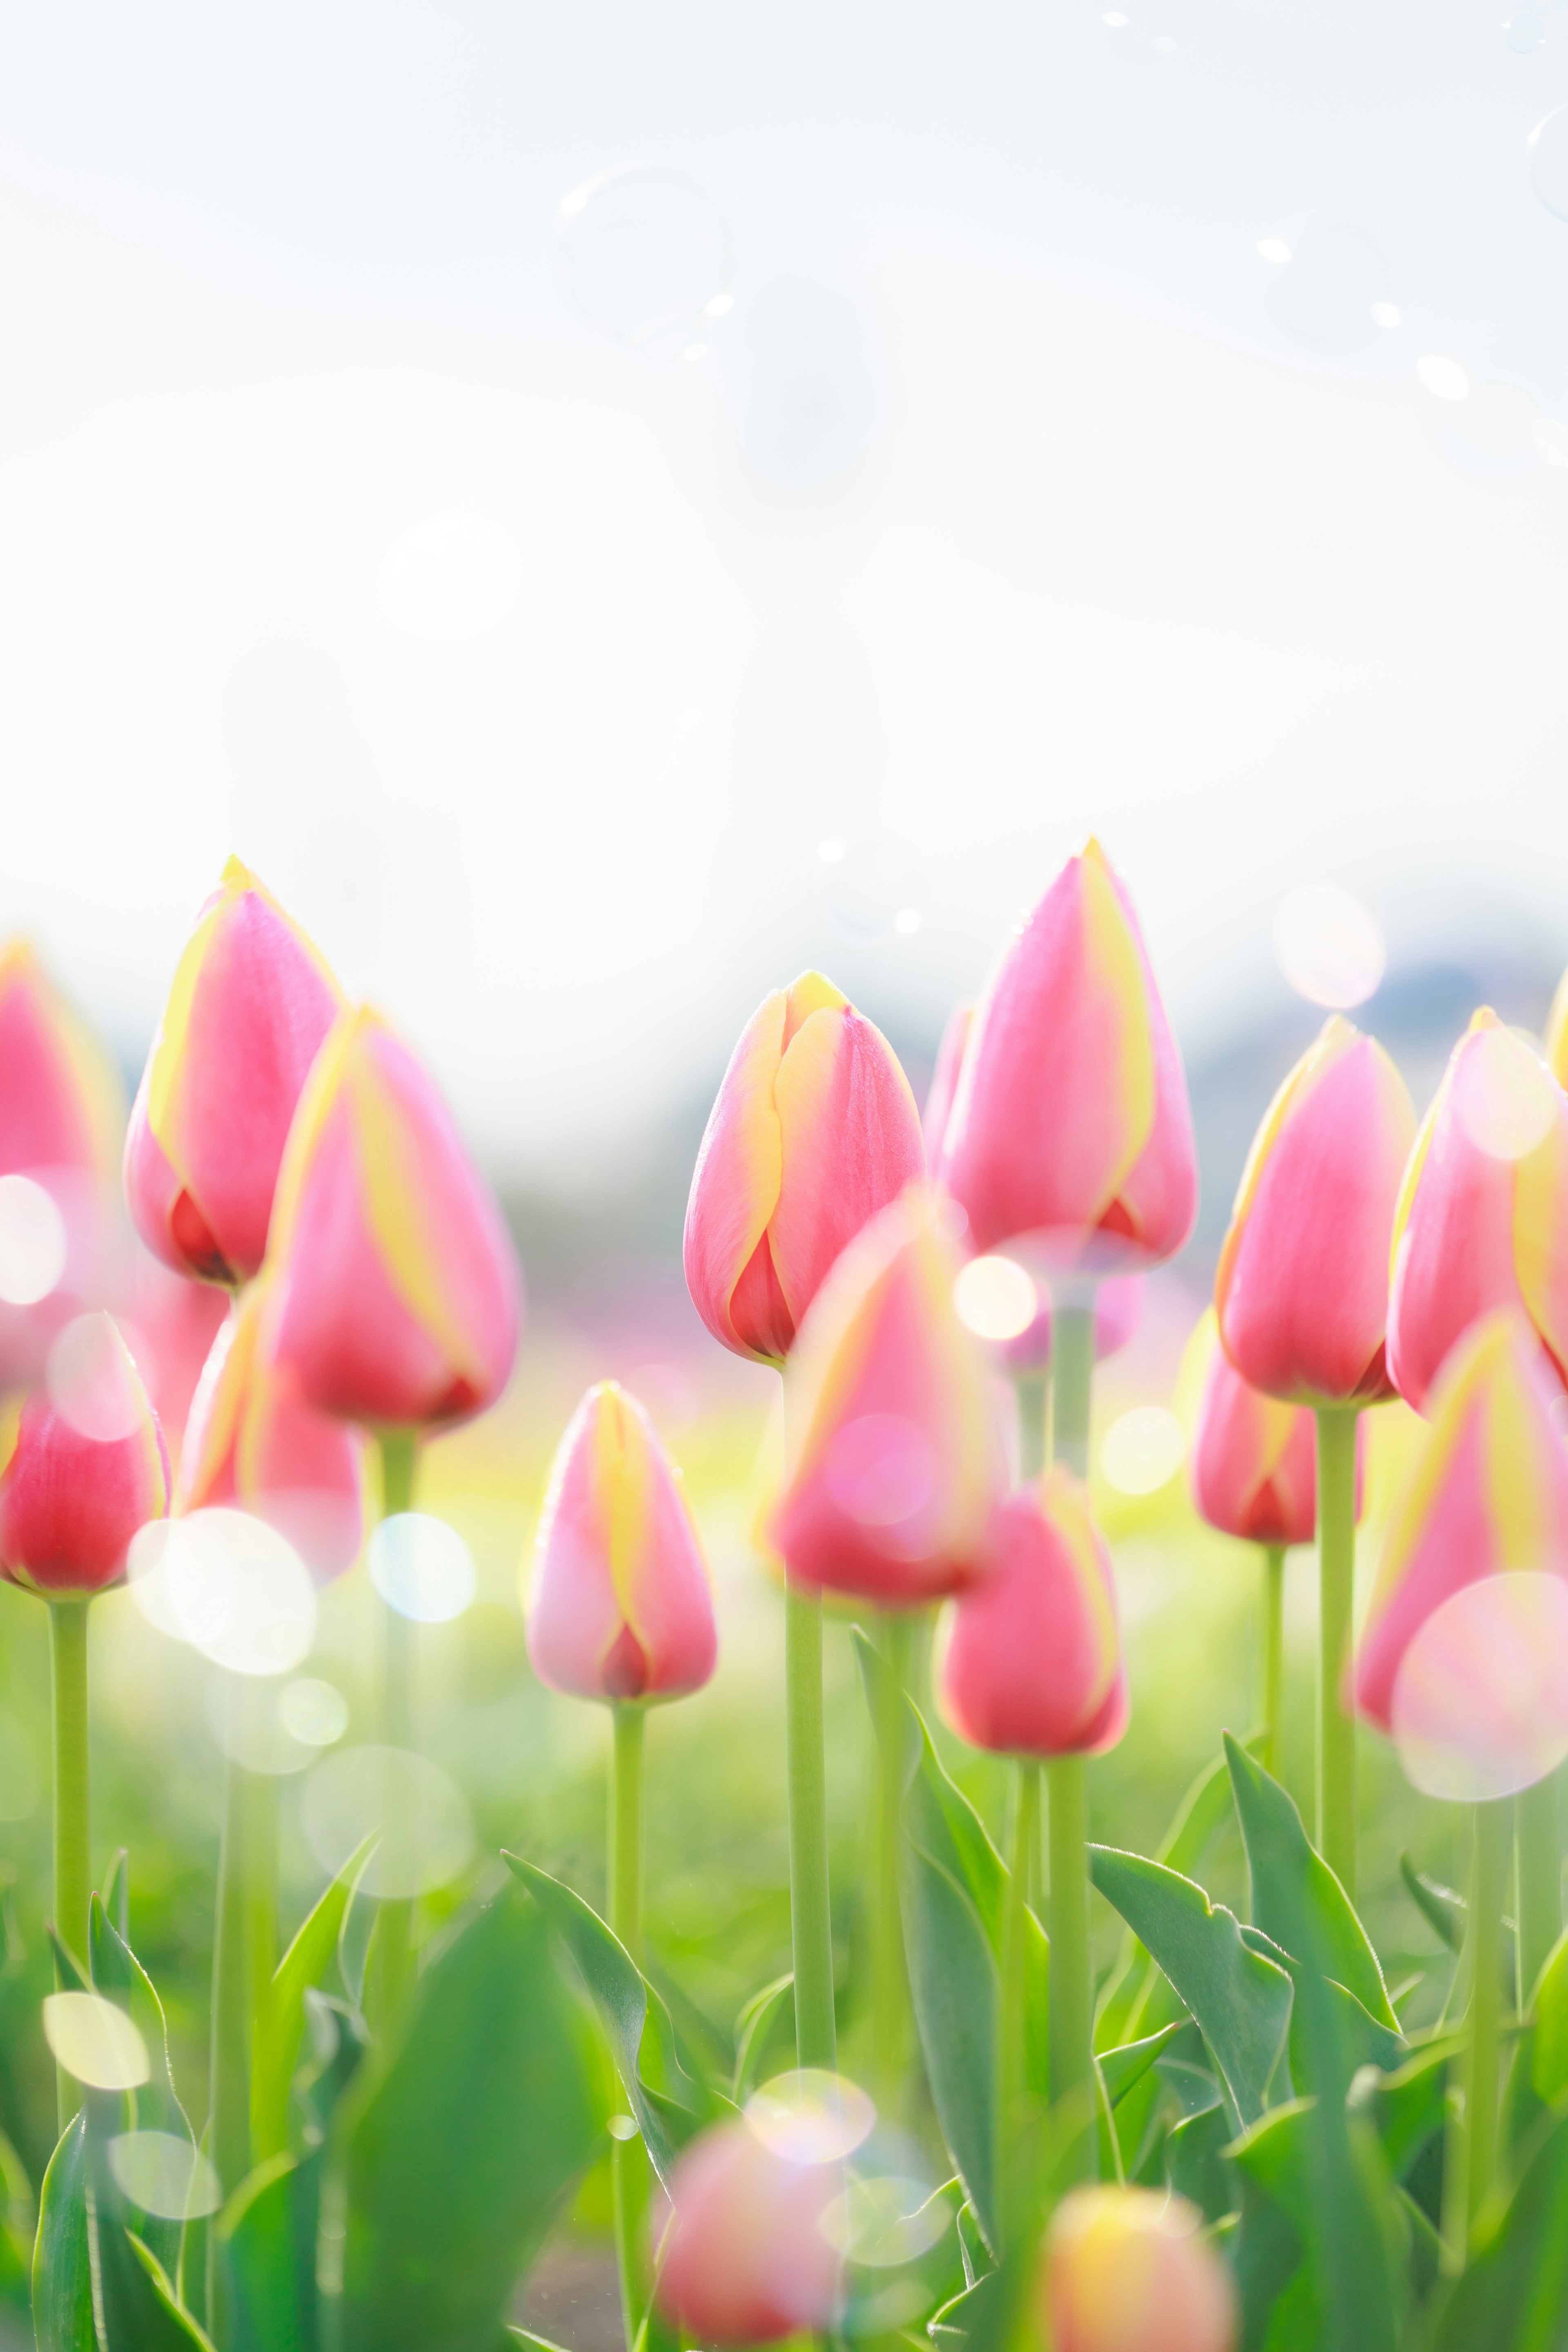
x: 1505, y: 1097
x: 420, y: 1818
x: 996, y: 1297
x: 1480, y: 1701
x: 1328, y: 946
x: 162, y: 2173
x: 1547, y: 152
x: 95, y: 2042
x: 92, y: 1380
x: 1143, y: 1450
x: 228, y: 1584
x: 33, y: 1242
x: 884, y: 2222
x: 313, y: 1711
x: 811, y: 2117
x: 645, y: 252
x: 421, y: 1568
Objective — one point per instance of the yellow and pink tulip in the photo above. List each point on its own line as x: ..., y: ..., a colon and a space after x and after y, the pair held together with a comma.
x: 83, y: 1472
x: 1252, y: 1464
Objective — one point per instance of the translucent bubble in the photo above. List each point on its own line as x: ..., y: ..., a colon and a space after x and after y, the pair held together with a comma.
x: 21, y: 1783
x: 1525, y: 32
x: 421, y: 1568
x: 1505, y: 1097
x: 163, y: 2174
x: 873, y: 884
x: 996, y: 1297
x: 314, y: 1712
x: 1324, y: 292
x: 92, y: 1380
x: 1143, y: 1450
x: 882, y: 1472
x: 811, y: 2117
x: 881, y: 2222
x: 1548, y: 157
x: 622, y: 2127
x: 1550, y: 436
x: 94, y: 2042
x: 1328, y: 946
x: 245, y: 1718
x: 1387, y: 315
x: 425, y: 1835
x: 1116, y: 18
x: 449, y: 578
x: 1480, y: 1701
x: 1444, y: 378
x: 229, y: 1585
x: 33, y: 1242
x: 645, y: 251
x: 1274, y: 250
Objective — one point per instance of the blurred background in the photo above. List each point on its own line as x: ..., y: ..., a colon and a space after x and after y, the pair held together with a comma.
x: 605, y: 506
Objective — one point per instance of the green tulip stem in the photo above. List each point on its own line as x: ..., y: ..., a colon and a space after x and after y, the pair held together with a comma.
x: 629, y: 2158
x: 889, y: 2011
x: 73, y: 1868
x: 1033, y: 1390
x: 811, y: 1923
x: 1470, y: 2155
x: 1538, y: 1848
x: 1072, y: 1380
x: 395, y: 1967
x: 1012, y: 2037
x: 1273, y: 1691
x: 244, y: 1946
x: 1071, y: 2018
x: 1336, y: 1559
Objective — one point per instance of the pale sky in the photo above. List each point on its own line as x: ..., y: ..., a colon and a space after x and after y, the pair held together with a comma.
x: 919, y: 454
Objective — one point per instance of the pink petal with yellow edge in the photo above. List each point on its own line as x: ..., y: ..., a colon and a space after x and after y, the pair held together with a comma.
x: 1540, y: 1239
x: 945, y: 1077
x: 60, y: 1105
x: 735, y: 1184
x: 69, y: 1504
x: 574, y: 1610
x: 212, y: 1431
x: 1555, y: 1044
x: 1156, y: 1205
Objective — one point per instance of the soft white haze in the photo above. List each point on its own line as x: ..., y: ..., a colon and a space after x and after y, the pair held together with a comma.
x: 925, y: 457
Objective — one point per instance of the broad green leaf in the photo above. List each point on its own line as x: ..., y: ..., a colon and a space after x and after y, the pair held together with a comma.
x: 62, y: 2261
x: 754, y: 2033
x: 120, y: 1975
x: 260, y: 2274
x: 1266, y: 2256
x: 1549, y: 2052
x: 1195, y: 2165
x: 454, y: 2153
x: 1442, y: 1910
x: 1122, y: 2068
x: 668, y: 2103
x: 72, y: 1975
x: 280, y: 2020
x: 1359, y: 2040
x: 1240, y: 2000
x: 937, y: 1814
x: 117, y: 1893
x: 161, y: 2324
x: 953, y: 1987
x: 1408, y: 2105
x: 1514, y: 2296
x: 1297, y: 1901
x: 1329, y: 2181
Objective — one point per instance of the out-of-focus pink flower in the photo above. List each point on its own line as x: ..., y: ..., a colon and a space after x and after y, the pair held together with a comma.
x: 1033, y: 1664
x: 251, y: 1002
x: 86, y: 1468
x: 748, y: 2257
x: 395, y: 1291
x: 944, y: 1078
x: 893, y: 1456
x: 815, y: 1130
x: 1555, y: 1044
x: 1488, y: 1495
x: 1301, y: 1291
x: 252, y: 1442
x: 619, y: 1606
x: 1128, y: 2270
x: 1253, y: 1463
x: 1070, y: 1125
x: 1482, y: 1218
x: 170, y: 1323
x: 1118, y: 1312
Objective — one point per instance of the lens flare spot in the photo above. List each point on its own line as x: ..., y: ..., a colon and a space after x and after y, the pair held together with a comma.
x: 230, y: 1585
x: 33, y: 1242
x: 996, y: 1297
x: 421, y: 1568
x: 811, y: 2117
x: 1143, y: 1450
x: 1444, y: 378
x: 96, y: 2044
x: 424, y: 1833
x: 1328, y: 946
x: 163, y: 2174
x: 1505, y: 1097
x: 1480, y: 1701
x: 314, y: 1712
x: 92, y: 1380
x: 882, y: 2222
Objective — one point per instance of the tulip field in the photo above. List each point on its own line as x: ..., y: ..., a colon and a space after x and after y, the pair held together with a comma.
x: 989, y: 1793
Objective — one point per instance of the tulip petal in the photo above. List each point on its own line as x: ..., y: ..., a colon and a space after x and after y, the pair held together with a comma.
x: 60, y: 1105
x: 735, y: 1186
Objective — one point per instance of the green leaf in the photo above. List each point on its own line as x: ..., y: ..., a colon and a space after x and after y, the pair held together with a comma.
x: 72, y: 1975
x: 1328, y: 2179
x: 1241, y: 2000
x: 62, y: 2264
x: 1297, y: 1901
x: 668, y: 2103
x: 1442, y: 1910
x: 1549, y: 2052
x: 280, y: 2020
x: 1514, y: 2296
x: 1358, y: 2040
x: 456, y: 2150
x: 1266, y: 2257
x: 265, y: 2291
x: 117, y: 1893
x: 162, y: 2325
x: 1195, y: 2165
x: 1122, y: 2068
x: 1408, y: 2106
x: 938, y: 1816
x: 753, y: 2034
x: 953, y: 1987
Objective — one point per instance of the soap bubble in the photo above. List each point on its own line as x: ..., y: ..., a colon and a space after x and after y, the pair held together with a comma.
x: 94, y: 2042
x: 162, y: 2173
x: 425, y: 1837
x: 315, y: 1712
x: 1143, y: 1450
x: 811, y: 2117
x: 1525, y: 32
x: 1480, y: 1701
x: 228, y: 1584
x: 873, y: 884
x: 996, y: 1297
x: 645, y: 251
x: 421, y: 1568
x: 1548, y: 154
x: 92, y: 1380
x: 1328, y: 946
x: 1324, y: 290
x: 33, y: 1242
x: 1443, y: 377
x: 886, y: 2221
x: 1505, y: 1097
x: 450, y: 577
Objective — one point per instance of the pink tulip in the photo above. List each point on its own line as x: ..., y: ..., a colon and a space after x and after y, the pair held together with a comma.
x: 748, y: 2258
x: 1070, y: 1124
x: 1301, y: 1291
x: 1128, y: 2270
x: 620, y: 1607
x: 1474, y: 1229
x: 60, y: 1105
x: 1253, y: 1466
x: 251, y: 1442
x: 815, y: 1130
x: 87, y: 1468
x: 1488, y: 1497
x: 1555, y: 1047
x: 1118, y: 1312
x: 893, y: 1455
x: 250, y: 1004
x: 944, y: 1078
x: 395, y: 1296
x: 170, y: 1324
x: 1034, y: 1664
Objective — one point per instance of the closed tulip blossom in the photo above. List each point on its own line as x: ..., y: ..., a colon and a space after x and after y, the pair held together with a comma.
x: 1033, y: 1664
x: 893, y: 1461
x: 1482, y: 1218
x: 395, y: 1297
x: 815, y: 1130
x: 251, y: 1443
x: 1130, y: 2270
x: 84, y: 1472
x: 251, y: 1002
x: 619, y: 1607
x: 748, y: 2259
x: 1253, y: 1462
x: 1069, y: 1124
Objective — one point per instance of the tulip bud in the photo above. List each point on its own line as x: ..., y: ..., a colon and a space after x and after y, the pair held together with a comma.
x: 1301, y: 1291
x: 1118, y: 1312
x: 86, y: 1468
x: 1033, y: 1661
x: 1128, y: 2270
x: 1483, y: 1210
x: 1070, y: 1123
x: 893, y: 1456
x: 944, y: 1078
x: 619, y: 1607
x: 1488, y: 1497
x: 815, y: 1130
x: 394, y: 1290
x: 748, y: 2258
x: 251, y: 1002
x: 251, y: 1442
x: 1253, y: 1463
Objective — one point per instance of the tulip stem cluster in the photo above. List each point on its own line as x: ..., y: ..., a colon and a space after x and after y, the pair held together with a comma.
x: 628, y: 2160
x: 1538, y: 1862
x: 1273, y: 1690
x: 1471, y: 2153
x: 1336, y: 1726
x: 73, y: 1863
